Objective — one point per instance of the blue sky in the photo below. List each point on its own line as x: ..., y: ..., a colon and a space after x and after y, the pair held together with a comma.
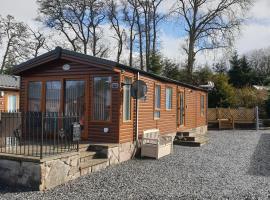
x: 255, y: 33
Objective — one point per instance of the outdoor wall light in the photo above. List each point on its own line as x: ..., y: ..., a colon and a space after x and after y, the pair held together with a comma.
x: 106, y: 130
x: 2, y: 93
x: 66, y: 67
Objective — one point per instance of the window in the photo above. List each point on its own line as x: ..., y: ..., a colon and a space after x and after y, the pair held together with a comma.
x: 127, y: 99
x: 53, y: 94
x: 202, y: 105
x: 102, y: 99
x: 34, y: 96
x: 12, y: 103
x: 75, y: 97
x: 168, y: 98
x: 157, y: 102
x: 181, y: 108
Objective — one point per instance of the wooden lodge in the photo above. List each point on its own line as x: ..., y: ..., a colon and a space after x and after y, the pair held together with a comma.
x: 78, y: 114
x: 99, y: 90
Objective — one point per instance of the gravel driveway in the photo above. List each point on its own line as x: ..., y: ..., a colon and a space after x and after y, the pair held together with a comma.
x: 233, y: 165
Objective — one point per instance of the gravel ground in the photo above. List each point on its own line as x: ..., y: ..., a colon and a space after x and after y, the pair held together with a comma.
x: 233, y: 165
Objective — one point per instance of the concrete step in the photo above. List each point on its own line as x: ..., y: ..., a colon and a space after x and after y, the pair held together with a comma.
x: 87, y: 155
x: 83, y: 147
x: 92, y: 162
x: 183, y: 134
x: 190, y: 143
x: 197, y: 141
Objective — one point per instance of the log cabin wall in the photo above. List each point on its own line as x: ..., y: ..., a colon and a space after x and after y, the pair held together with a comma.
x: 2, y: 103
x: 50, y: 67
x: 54, y: 71
x: 167, y: 123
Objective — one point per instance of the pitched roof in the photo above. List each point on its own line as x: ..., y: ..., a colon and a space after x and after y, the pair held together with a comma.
x: 9, y: 82
x: 58, y: 53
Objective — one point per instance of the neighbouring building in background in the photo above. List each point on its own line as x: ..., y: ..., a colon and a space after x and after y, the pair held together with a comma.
x: 9, y: 93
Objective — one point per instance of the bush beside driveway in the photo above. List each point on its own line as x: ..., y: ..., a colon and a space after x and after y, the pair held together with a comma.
x: 233, y: 165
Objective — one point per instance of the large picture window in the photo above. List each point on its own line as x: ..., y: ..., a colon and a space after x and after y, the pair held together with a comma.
x: 127, y: 99
x: 157, y: 102
x: 102, y: 99
x: 168, y: 98
x: 202, y: 105
x: 34, y: 96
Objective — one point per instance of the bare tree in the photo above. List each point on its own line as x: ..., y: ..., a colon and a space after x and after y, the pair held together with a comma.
x: 209, y: 24
x: 147, y: 18
x: 130, y: 19
x: 113, y: 14
x: 14, y: 44
x: 79, y: 21
x: 37, y: 42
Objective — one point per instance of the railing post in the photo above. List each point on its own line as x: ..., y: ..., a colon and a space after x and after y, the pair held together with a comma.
x: 42, y: 132
x: 257, y: 118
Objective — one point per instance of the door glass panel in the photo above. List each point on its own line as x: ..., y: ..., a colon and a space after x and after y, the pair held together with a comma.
x: 102, y: 98
x: 53, y: 95
x: 75, y: 98
x: 34, y: 96
x: 182, y: 108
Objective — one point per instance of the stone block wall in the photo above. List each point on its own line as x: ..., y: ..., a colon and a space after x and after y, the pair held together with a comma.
x: 19, y: 172
x: 60, y: 170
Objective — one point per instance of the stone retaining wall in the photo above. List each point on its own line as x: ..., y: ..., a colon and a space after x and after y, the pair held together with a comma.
x: 53, y: 171
x: 50, y: 172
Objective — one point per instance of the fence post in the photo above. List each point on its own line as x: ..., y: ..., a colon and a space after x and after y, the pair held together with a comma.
x: 42, y: 132
x: 257, y: 117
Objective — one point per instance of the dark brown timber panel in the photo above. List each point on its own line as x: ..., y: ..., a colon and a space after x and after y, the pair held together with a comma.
x: 54, y: 71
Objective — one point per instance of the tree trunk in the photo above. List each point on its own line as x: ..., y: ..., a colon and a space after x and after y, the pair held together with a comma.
x: 5, y: 57
x: 140, y: 40
x: 131, y: 46
x: 191, y: 56
x: 94, y: 42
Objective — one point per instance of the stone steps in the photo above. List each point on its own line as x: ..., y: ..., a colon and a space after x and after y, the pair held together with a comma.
x: 87, y: 155
x: 93, y: 163
x: 92, y: 159
x: 190, y: 139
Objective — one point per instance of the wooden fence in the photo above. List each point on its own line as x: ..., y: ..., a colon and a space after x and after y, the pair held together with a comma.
x: 228, y: 117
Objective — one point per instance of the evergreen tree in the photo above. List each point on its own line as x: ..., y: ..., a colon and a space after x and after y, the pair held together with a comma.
x: 170, y: 69
x: 155, y: 63
x: 223, y: 95
x: 241, y: 73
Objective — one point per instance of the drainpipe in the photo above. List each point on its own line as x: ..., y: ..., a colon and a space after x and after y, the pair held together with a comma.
x: 137, y: 112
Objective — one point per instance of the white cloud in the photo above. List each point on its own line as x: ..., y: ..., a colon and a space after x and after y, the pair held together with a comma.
x: 253, y: 36
x: 255, y: 33
x: 22, y: 10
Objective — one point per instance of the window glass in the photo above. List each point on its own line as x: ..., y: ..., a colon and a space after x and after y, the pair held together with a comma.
x: 202, y: 105
x: 102, y: 99
x: 157, y: 101
x: 12, y: 103
x: 168, y: 98
x: 127, y: 99
x: 53, y: 93
x: 34, y: 96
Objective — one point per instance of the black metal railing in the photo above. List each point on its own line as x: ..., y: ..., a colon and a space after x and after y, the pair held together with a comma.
x: 39, y: 134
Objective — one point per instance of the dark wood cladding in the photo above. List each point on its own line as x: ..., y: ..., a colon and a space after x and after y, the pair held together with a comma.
x: 53, y: 71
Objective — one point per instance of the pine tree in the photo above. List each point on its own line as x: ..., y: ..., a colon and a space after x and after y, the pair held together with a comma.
x: 241, y: 73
